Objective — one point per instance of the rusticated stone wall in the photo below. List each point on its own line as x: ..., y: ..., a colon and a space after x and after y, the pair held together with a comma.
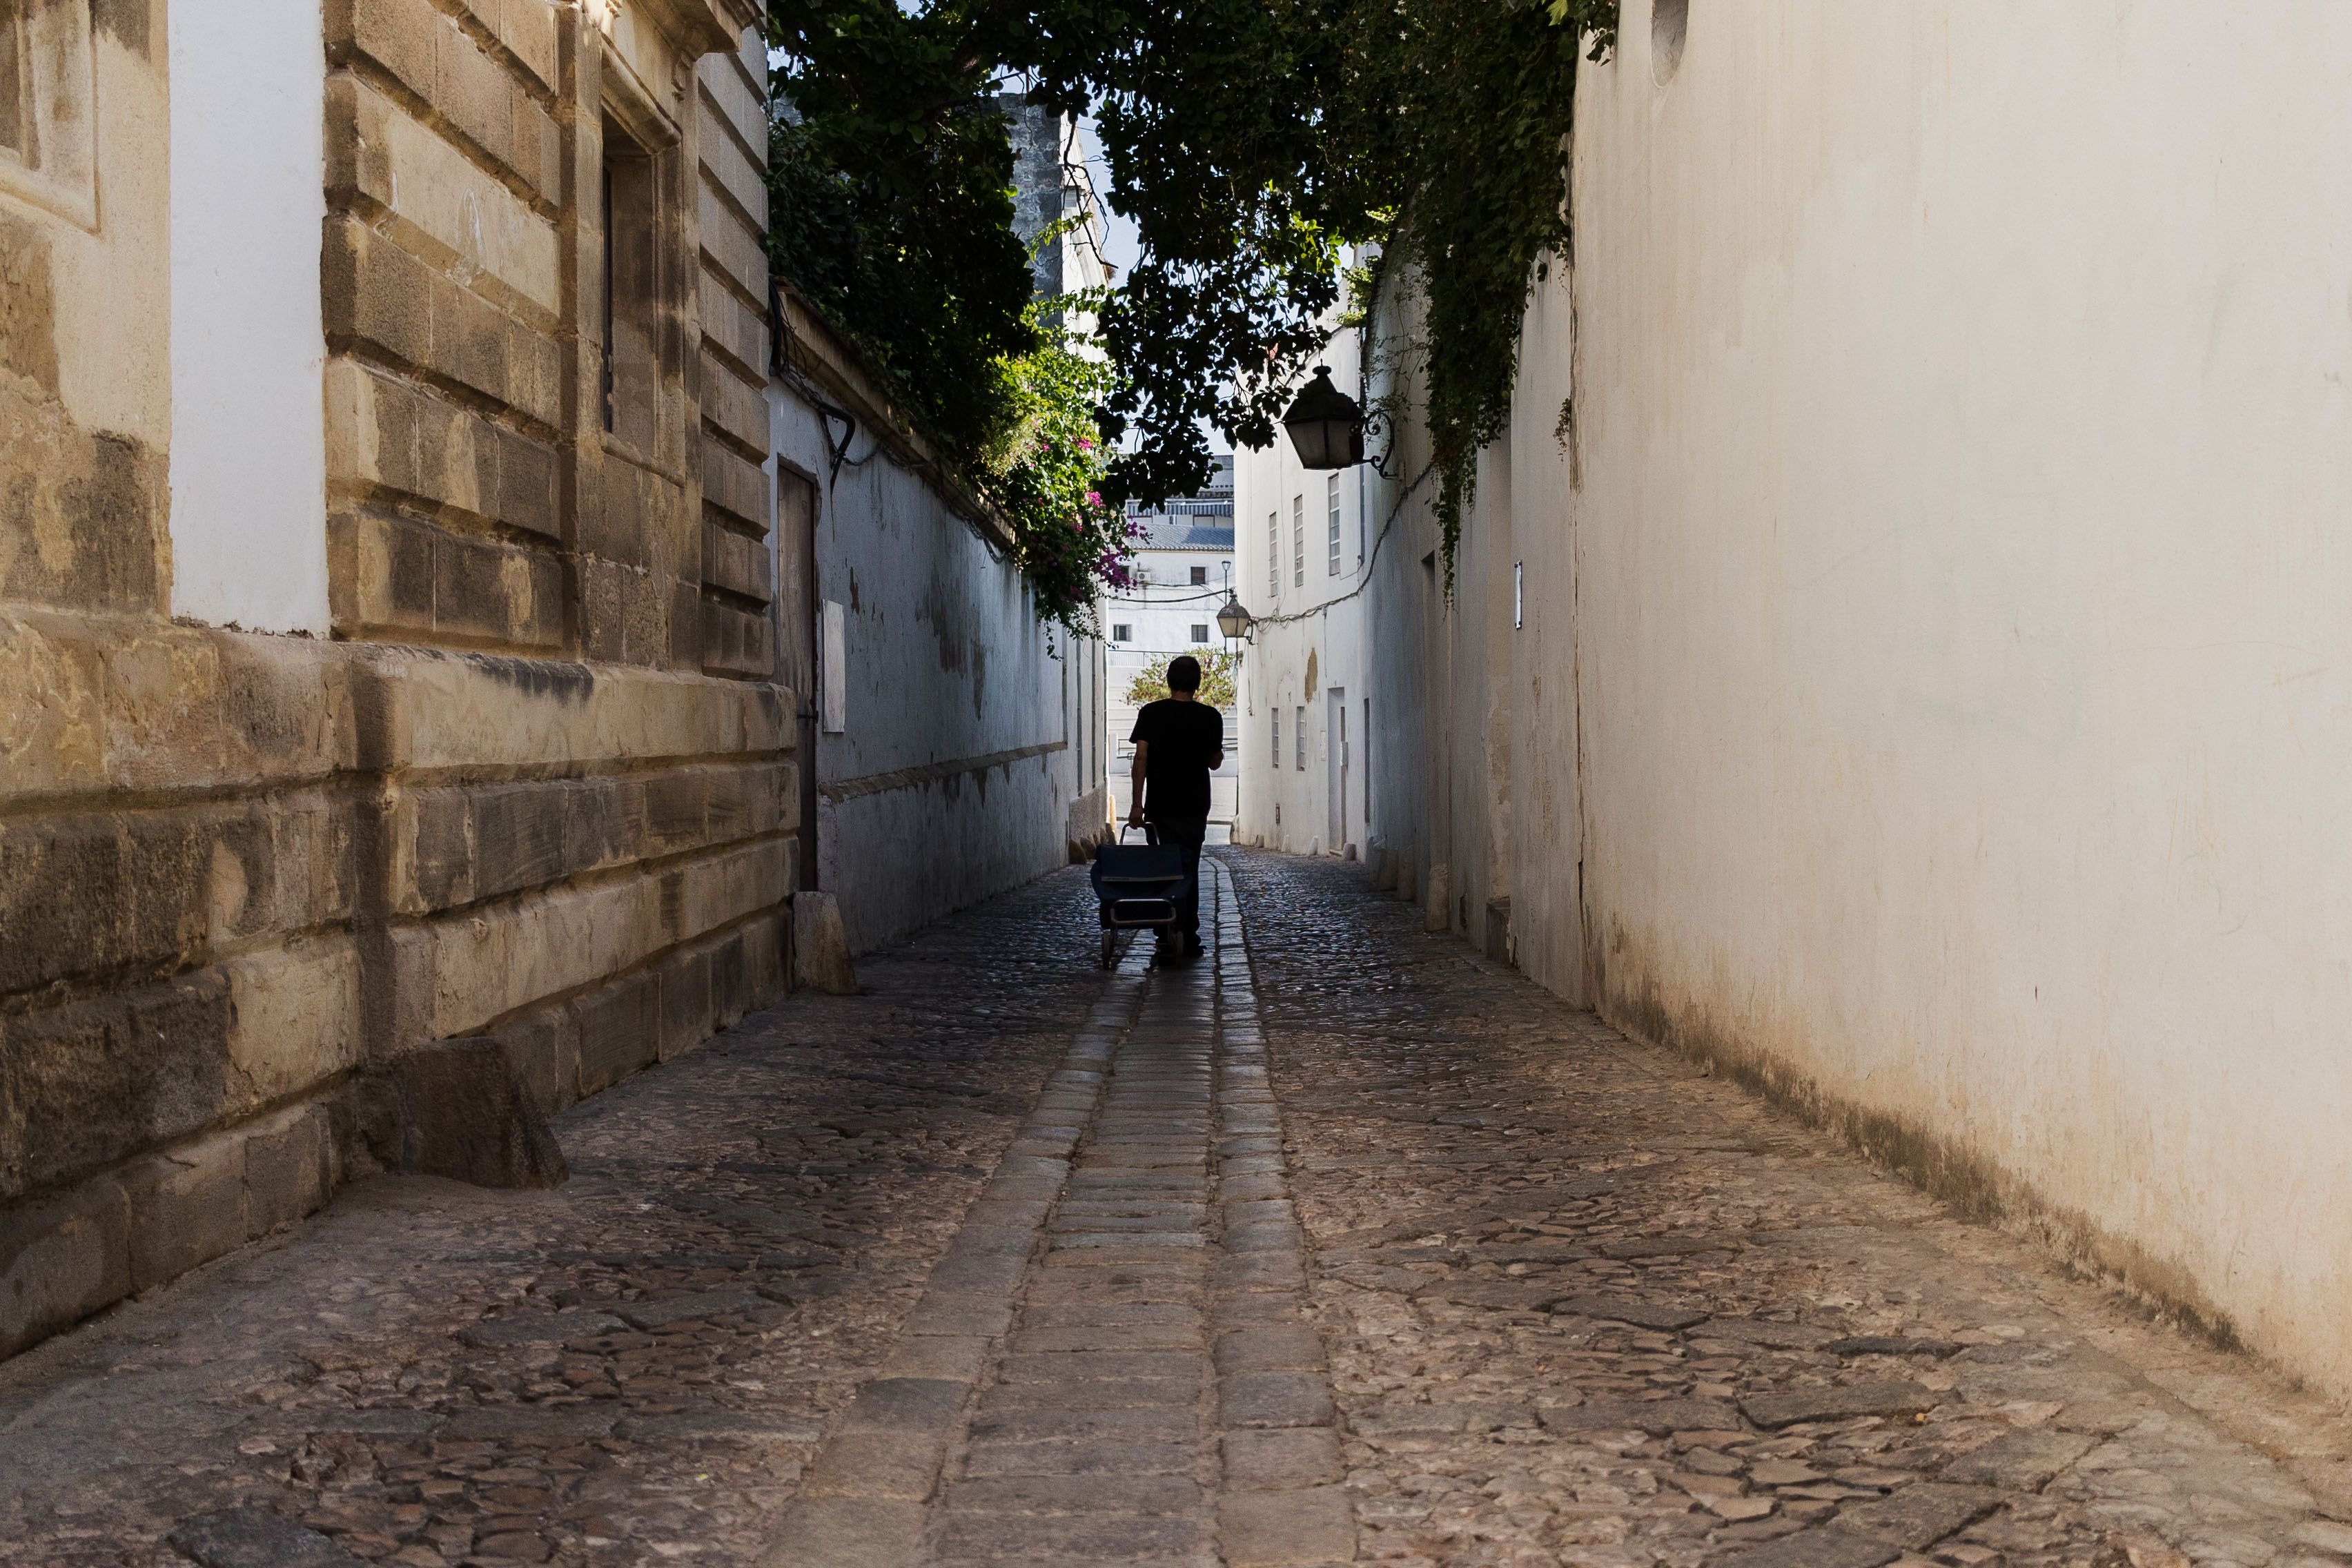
x: 537, y: 785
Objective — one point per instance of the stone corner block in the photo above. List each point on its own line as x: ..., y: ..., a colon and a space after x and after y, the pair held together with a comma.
x: 464, y: 1112
x: 187, y: 1207
x: 1288, y: 1530
x: 61, y: 1261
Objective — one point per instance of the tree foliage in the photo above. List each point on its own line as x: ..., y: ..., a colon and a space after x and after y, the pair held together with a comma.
x: 1252, y: 142
x: 1150, y: 684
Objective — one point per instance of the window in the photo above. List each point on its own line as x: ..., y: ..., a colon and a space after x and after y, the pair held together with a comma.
x: 1298, y: 542
x: 1276, y: 753
x: 1199, y: 576
x: 1200, y: 632
x: 1274, y: 555
x: 47, y: 154
x: 631, y: 371
x: 1331, y: 506
x: 1669, y: 24
x: 14, y: 132
x: 1299, y: 738
x: 1122, y: 631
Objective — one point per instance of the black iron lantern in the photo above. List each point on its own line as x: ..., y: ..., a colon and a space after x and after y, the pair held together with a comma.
x: 1233, y: 620
x: 1325, y: 424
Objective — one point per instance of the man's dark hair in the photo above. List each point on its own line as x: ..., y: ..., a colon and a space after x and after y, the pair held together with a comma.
x: 1183, y: 673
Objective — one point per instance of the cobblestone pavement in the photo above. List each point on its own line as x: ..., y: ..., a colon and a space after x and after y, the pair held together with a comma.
x: 1586, y: 1306
x: 1343, y: 1246
x: 632, y: 1369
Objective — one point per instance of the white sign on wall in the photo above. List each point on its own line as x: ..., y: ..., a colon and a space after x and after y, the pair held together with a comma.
x: 833, y: 669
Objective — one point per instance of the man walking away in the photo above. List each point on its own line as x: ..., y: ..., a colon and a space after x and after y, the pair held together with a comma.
x: 1179, y: 742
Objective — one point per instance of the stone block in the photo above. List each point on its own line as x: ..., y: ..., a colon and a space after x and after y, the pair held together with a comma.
x: 464, y: 1113
x: 1918, y: 1516
x: 1288, y: 1530
x: 187, y: 1207
x: 376, y: 293
x: 734, y: 640
x: 101, y: 893
x: 1283, y: 1458
x: 1839, y: 1403
x: 61, y: 1261
x: 1817, y: 1549
x: 1275, y: 1399
x: 544, y: 1052
x: 685, y: 1004
x: 255, y: 1538
x: 86, y: 1085
x: 294, y: 1019
x: 52, y: 708
x: 619, y: 1031
x: 289, y: 1167
x: 102, y: 492
x: 2023, y: 1460
x: 847, y: 1532
x: 821, y: 946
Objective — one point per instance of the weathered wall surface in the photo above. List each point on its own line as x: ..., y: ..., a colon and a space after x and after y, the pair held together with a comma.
x: 1941, y: 611
x: 533, y: 788
x: 970, y: 759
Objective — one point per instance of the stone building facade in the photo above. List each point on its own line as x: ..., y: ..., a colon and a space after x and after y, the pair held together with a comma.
x: 387, y: 651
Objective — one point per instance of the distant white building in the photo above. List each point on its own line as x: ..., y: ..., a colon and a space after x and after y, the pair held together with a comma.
x: 1183, y: 569
x: 1306, y: 712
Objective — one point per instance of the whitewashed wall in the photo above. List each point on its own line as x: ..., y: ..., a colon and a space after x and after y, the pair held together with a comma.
x: 1959, y: 585
x: 971, y: 753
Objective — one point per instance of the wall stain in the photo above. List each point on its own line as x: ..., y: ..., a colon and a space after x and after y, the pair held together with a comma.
x: 1633, y: 1001
x: 29, y: 305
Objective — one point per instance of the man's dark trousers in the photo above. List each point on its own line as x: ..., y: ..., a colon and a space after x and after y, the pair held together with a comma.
x: 1185, y: 833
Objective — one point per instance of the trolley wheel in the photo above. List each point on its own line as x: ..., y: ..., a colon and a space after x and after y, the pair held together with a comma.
x: 1110, y: 950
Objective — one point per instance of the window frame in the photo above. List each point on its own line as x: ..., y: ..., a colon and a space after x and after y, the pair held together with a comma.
x: 1331, y: 502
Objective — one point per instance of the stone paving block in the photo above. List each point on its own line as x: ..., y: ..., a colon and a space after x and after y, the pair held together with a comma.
x: 531, y: 1423
x: 1285, y: 1239
x: 1286, y: 1530
x: 1655, y: 1417
x: 1838, y: 1403
x: 1028, y: 1540
x: 1816, y: 1549
x: 255, y: 1538
x: 694, y: 1425
x: 1108, y: 1458
x: 847, y: 1532
x: 1282, y: 1458
x: 1260, y: 1271
x: 1113, y: 1336
x: 1656, y: 1315
x: 1766, y: 1332
x: 1918, y: 1516
x: 1275, y: 1399
x: 959, y: 1316
x: 1077, y: 1494
x: 958, y: 1358
x: 1145, y: 1423
x: 1270, y: 1347
x: 544, y: 1328
x: 2023, y: 1460
x: 1091, y: 1313
x: 878, y: 1462
x: 1141, y: 1241
x: 662, y: 1310
x: 1067, y: 1366
x: 1095, y: 1394
x: 907, y: 1404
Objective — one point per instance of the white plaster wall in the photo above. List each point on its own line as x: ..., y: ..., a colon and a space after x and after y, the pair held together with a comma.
x: 248, y: 347
x: 945, y: 661
x: 1966, y: 598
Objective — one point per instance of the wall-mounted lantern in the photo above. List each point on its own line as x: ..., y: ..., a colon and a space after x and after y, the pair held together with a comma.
x: 1325, y: 424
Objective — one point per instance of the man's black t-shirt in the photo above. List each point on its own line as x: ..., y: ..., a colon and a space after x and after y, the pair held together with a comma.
x: 1183, y: 739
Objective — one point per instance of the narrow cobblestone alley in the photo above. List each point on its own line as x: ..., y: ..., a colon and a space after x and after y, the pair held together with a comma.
x: 1345, y: 1244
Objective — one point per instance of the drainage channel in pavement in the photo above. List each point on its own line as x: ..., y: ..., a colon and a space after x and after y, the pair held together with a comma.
x: 1113, y: 1362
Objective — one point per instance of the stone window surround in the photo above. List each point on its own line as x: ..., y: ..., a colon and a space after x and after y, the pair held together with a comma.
x: 57, y: 167
x: 626, y: 103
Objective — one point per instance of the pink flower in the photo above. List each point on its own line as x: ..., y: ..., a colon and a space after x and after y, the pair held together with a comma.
x: 1085, y: 445
x: 1093, y: 497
